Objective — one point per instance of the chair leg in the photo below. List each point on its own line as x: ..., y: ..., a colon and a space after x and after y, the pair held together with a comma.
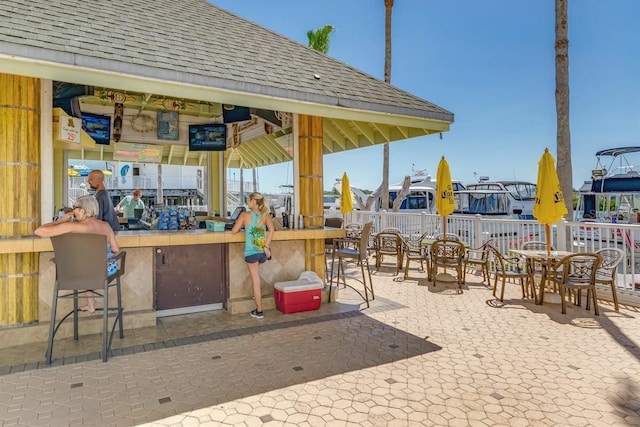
x: 504, y: 281
x: 333, y: 258
x: 105, y: 323
x: 595, y: 302
x: 52, y: 326
x: 373, y: 297
x: 75, y: 316
x: 338, y: 276
x: 614, y: 296
x: 119, y: 318
x: 364, y: 282
x: 563, y: 299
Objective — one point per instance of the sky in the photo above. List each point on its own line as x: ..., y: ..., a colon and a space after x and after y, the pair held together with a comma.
x: 491, y: 63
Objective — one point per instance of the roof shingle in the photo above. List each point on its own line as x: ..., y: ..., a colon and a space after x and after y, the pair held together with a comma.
x: 194, y: 42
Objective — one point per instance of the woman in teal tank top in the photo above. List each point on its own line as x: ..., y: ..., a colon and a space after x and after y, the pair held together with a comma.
x: 258, y: 233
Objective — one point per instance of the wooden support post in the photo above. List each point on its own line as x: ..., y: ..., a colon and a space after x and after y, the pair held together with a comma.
x: 20, y: 209
x: 311, y: 188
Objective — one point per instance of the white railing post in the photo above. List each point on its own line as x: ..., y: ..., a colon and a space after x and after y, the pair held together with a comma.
x: 383, y: 220
x: 561, y: 238
x: 477, y: 238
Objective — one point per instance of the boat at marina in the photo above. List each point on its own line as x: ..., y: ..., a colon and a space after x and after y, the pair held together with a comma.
x: 499, y: 199
x: 520, y: 197
x: 422, y: 193
x: 613, y: 194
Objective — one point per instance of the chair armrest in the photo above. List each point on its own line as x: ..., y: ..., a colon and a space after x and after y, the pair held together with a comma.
x: 121, y: 257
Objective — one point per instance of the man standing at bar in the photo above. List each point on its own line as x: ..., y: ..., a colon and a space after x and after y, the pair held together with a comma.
x: 129, y: 204
x: 106, y: 211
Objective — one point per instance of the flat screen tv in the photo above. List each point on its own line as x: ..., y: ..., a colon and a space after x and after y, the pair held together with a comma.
x: 208, y: 137
x: 98, y: 127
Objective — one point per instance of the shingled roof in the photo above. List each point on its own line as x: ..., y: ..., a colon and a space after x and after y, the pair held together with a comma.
x: 193, y: 49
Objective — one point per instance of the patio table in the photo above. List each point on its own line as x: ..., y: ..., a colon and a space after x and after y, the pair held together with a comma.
x: 544, y: 259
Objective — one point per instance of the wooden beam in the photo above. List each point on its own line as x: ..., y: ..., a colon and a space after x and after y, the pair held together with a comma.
x: 351, y: 135
x: 334, y: 134
x: 366, y: 131
x: 383, y: 130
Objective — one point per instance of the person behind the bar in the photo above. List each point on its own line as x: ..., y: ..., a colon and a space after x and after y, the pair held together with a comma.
x: 82, y: 219
x: 106, y: 211
x: 259, y: 230
x: 129, y: 204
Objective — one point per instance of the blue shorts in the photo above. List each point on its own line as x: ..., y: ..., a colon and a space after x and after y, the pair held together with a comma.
x: 259, y: 257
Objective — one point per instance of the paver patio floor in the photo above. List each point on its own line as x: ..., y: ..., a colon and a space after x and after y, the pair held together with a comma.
x: 421, y: 355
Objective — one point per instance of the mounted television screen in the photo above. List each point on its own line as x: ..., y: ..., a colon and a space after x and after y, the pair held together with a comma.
x: 98, y: 127
x: 209, y: 137
x: 234, y: 113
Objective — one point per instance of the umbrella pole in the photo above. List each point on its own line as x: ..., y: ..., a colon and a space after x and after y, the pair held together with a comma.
x: 444, y: 230
x: 547, y: 232
x: 547, y: 236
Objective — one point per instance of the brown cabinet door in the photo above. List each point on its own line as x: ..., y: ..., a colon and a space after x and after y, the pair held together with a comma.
x: 191, y: 275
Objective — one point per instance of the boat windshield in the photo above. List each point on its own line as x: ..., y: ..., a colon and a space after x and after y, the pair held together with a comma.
x: 521, y: 190
x: 419, y: 200
x: 482, y: 202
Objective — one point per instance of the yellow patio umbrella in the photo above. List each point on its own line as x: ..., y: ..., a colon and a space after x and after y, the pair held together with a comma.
x: 549, y: 206
x: 346, y: 199
x: 445, y: 200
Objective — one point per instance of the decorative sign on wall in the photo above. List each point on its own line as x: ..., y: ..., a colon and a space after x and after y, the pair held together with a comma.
x: 144, y: 153
x: 70, y: 128
x: 168, y: 125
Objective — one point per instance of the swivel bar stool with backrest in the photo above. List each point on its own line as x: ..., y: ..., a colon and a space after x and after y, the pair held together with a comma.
x: 344, y: 251
x: 81, y: 265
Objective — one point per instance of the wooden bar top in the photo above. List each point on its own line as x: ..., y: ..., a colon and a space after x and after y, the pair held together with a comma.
x: 148, y: 238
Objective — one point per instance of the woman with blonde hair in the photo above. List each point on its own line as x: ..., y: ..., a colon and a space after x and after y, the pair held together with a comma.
x: 82, y: 219
x: 258, y: 231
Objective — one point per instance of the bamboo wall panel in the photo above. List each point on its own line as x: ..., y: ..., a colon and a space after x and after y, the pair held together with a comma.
x: 20, y: 185
x: 311, y: 181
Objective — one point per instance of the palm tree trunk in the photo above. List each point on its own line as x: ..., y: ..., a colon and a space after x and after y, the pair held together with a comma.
x: 565, y: 171
x: 388, y: 5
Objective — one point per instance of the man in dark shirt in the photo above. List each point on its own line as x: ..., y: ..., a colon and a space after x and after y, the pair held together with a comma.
x: 106, y: 210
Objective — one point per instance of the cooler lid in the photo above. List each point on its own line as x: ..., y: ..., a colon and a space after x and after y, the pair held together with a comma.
x: 297, y: 286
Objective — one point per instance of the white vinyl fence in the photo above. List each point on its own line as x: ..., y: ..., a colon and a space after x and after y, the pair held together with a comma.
x: 511, y: 233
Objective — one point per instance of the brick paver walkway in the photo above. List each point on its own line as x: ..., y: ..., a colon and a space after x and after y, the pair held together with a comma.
x: 421, y: 355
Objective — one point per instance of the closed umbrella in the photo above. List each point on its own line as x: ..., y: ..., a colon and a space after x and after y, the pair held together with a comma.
x: 445, y: 201
x: 549, y: 206
x: 346, y: 199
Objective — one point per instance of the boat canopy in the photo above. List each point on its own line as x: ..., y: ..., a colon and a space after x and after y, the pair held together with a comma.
x: 617, y: 151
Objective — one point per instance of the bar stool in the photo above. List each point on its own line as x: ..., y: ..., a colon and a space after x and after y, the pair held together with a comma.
x: 81, y: 265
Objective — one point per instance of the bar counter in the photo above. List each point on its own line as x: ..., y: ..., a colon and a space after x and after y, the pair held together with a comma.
x: 147, y: 238
x: 196, y: 269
